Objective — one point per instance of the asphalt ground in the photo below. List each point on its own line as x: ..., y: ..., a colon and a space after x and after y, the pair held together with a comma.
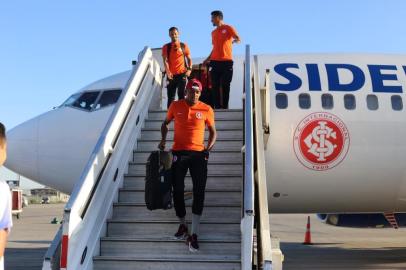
x: 338, y: 247
x: 333, y: 247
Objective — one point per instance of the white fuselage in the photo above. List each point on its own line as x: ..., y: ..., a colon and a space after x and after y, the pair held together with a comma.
x: 371, y: 173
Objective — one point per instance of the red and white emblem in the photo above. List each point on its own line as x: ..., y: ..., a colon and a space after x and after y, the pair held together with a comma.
x: 199, y: 115
x: 321, y: 141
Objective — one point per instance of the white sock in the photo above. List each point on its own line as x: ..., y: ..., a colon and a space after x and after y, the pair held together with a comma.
x: 195, y: 224
x: 182, y: 221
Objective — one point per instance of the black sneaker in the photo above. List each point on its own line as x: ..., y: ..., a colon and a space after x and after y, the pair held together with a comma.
x: 192, y: 243
x: 182, y: 232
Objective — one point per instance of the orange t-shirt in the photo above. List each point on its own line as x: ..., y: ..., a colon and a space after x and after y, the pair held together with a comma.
x: 176, y: 59
x: 222, y: 39
x: 190, y: 124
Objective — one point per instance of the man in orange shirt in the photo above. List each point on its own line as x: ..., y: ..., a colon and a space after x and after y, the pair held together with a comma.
x: 221, y: 59
x: 178, y: 63
x: 189, y: 153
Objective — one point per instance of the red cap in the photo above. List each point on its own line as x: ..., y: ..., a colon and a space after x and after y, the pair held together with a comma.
x: 194, y: 84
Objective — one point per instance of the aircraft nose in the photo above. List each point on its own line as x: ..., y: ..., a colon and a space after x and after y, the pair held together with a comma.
x: 22, y: 149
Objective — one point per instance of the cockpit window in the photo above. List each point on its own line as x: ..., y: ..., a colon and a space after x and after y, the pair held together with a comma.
x: 70, y: 100
x: 86, y: 101
x: 93, y: 100
x: 107, y: 98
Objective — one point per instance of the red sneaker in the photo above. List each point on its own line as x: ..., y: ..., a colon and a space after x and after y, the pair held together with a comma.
x: 192, y: 243
x: 182, y: 232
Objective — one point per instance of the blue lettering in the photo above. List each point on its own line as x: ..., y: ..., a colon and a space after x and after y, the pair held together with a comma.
x: 378, y: 78
x: 294, y: 81
x: 313, y: 76
x: 334, y: 80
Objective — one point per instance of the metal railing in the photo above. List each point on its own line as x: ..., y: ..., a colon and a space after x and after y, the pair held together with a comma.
x: 247, y: 221
x: 255, y: 209
x: 267, y: 256
x: 98, y: 185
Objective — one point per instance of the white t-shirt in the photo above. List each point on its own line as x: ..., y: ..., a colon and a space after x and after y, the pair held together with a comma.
x: 6, y: 221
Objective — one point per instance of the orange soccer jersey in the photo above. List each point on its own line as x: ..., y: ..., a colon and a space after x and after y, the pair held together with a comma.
x: 176, y: 59
x: 190, y: 124
x: 222, y: 39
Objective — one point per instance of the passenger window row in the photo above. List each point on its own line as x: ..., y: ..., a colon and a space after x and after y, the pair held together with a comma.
x: 327, y: 101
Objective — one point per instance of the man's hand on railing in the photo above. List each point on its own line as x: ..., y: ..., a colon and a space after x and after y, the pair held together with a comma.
x: 161, y: 145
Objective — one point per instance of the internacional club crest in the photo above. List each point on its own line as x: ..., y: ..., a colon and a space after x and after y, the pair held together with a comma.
x: 321, y: 141
x: 199, y: 115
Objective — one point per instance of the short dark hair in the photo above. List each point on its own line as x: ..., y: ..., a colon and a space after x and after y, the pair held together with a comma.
x: 2, y: 133
x: 217, y: 13
x: 173, y: 28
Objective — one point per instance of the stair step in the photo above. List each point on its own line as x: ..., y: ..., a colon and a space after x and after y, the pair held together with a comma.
x: 136, y: 168
x: 215, y: 156
x: 226, y: 183
x: 210, y: 213
x: 151, y: 145
x: 211, y: 197
x: 220, y: 124
x: 169, y: 248
x: 166, y: 229
x: 221, y: 134
x: 219, y: 114
x: 131, y: 263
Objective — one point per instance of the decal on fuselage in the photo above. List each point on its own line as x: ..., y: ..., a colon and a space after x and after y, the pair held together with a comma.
x: 321, y: 141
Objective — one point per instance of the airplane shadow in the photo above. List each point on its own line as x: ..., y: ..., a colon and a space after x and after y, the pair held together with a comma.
x: 24, y: 258
x: 323, y: 256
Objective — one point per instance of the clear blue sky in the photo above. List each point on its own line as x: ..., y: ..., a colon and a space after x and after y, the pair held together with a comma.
x: 50, y: 49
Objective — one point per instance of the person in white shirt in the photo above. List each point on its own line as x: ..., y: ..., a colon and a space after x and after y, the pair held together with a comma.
x: 6, y: 221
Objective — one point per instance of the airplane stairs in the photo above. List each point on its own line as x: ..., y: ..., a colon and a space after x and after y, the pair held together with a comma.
x: 137, y: 238
x: 106, y: 223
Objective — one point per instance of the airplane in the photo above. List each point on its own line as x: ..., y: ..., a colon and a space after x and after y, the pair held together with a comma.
x: 337, y: 132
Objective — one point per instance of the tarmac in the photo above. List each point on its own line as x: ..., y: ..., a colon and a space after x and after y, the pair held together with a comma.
x: 338, y: 247
x: 31, y: 236
x: 333, y: 247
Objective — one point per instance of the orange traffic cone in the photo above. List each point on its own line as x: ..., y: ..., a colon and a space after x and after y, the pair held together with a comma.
x: 308, y: 236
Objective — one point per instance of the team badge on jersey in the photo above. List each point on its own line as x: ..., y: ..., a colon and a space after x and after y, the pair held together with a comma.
x: 321, y: 141
x: 199, y: 115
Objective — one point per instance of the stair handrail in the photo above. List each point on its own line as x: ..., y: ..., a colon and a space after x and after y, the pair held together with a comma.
x: 247, y: 221
x: 98, y: 184
x: 268, y: 255
x: 264, y: 248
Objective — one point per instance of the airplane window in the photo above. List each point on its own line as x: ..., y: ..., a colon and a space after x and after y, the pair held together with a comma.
x: 327, y: 101
x: 349, y: 102
x: 71, y: 100
x: 372, y: 102
x: 86, y: 101
x: 397, y: 103
x: 281, y: 101
x: 304, y: 101
x: 107, y: 98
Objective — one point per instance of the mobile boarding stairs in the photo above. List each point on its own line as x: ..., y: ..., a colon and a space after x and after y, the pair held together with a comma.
x: 106, y: 224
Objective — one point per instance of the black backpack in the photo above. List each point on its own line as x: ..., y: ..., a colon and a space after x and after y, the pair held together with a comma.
x: 182, y: 47
x: 158, y: 183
